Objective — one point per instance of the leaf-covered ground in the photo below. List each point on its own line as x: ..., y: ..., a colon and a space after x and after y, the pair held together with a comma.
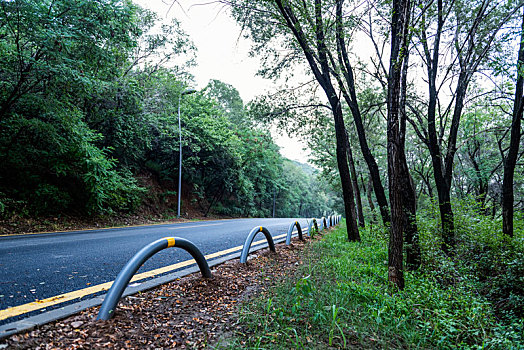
x: 188, y: 313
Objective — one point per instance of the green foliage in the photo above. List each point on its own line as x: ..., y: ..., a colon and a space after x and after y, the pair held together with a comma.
x: 228, y: 98
x: 58, y: 59
x: 492, y: 262
x: 85, y: 106
x: 55, y: 166
x: 344, y: 300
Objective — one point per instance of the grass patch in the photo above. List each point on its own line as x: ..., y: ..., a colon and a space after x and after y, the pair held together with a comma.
x: 340, y: 298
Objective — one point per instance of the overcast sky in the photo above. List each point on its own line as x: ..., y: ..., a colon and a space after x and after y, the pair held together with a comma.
x: 222, y: 54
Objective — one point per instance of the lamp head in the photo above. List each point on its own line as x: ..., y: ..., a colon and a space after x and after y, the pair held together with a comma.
x: 188, y: 91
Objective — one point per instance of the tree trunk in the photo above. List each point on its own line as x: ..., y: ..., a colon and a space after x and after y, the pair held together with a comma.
x: 395, y: 145
x: 409, y: 202
x: 351, y: 100
x: 409, y: 199
x: 347, y: 190
x: 356, y: 189
x: 443, y: 187
x: 371, y: 163
x: 511, y: 159
x: 368, y: 194
x: 321, y: 71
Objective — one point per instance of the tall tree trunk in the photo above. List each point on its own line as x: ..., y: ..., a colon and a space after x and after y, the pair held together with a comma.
x: 351, y: 99
x: 371, y: 163
x: 409, y: 199
x: 368, y: 194
x: 356, y: 189
x: 395, y: 145
x: 409, y: 203
x: 347, y: 190
x: 443, y: 187
x: 321, y: 71
x: 511, y: 159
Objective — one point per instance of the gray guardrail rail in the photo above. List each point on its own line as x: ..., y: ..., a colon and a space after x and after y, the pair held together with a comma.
x: 122, y: 280
x: 290, y: 232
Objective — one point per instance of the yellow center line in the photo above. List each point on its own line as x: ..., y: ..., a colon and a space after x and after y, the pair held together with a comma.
x: 80, y: 293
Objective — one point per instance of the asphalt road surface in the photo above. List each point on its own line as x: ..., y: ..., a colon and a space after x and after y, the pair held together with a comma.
x: 39, y: 266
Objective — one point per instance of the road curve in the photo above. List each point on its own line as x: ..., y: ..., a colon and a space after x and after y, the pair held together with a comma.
x: 39, y: 266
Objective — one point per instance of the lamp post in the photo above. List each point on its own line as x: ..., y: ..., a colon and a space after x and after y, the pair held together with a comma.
x: 185, y: 92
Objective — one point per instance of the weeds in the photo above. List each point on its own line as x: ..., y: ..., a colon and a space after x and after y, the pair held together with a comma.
x: 341, y: 299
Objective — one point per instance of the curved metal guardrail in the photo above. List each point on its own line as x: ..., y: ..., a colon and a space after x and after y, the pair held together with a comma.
x: 249, y: 241
x: 122, y: 280
x: 310, y: 226
x: 290, y: 232
x: 332, y: 220
x: 324, y: 223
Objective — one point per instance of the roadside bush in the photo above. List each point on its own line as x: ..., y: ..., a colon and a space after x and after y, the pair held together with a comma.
x: 491, y: 261
x: 53, y: 166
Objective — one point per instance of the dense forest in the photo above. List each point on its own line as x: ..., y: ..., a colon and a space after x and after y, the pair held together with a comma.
x: 89, y: 122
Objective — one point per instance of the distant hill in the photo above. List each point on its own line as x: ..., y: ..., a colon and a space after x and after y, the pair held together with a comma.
x: 308, y: 169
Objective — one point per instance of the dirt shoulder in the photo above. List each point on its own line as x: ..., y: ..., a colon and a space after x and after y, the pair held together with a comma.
x: 192, y: 312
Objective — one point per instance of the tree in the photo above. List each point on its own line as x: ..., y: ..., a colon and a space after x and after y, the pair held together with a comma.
x: 304, y: 25
x: 511, y: 159
x: 54, y: 56
x: 471, y: 38
x: 400, y: 37
x: 356, y: 187
x: 228, y: 98
x: 348, y: 89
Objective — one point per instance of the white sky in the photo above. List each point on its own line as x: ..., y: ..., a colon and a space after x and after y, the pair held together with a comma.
x: 222, y: 54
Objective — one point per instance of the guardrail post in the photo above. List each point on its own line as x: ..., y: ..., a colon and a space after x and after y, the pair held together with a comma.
x: 324, y: 223
x: 290, y: 232
x: 122, y: 280
x: 249, y: 241
x: 311, y: 223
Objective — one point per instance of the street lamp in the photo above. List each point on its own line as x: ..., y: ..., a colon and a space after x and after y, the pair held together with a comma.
x: 185, y: 92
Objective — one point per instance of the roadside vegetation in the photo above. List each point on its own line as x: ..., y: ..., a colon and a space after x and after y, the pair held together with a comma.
x: 89, y: 104
x: 341, y: 298
x: 421, y: 97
